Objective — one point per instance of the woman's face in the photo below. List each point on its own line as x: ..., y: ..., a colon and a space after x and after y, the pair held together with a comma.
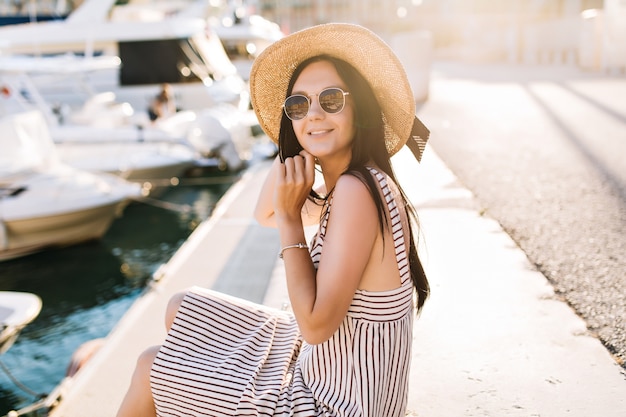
x: 327, y: 136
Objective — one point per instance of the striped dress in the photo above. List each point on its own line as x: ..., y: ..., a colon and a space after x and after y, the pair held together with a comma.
x: 225, y: 356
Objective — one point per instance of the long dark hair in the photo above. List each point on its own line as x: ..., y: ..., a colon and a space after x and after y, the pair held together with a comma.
x: 368, y: 145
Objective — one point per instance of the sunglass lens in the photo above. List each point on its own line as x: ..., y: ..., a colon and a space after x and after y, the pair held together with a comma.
x: 296, y: 107
x: 332, y: 100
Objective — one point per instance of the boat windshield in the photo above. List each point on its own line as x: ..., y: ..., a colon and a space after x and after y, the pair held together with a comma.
x: 25, y: 143
x: 155, y: 62
x: 173, y: 61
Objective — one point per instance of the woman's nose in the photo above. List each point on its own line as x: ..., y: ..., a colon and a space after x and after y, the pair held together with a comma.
x: 315, y: 110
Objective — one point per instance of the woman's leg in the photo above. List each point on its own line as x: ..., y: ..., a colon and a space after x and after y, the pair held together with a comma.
x: 172, y: 308
x: 138, y: 401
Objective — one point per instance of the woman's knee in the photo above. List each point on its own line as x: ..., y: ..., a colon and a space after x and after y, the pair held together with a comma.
x: 138, y: 399
x: 146, y: 359
x: 172, y: 308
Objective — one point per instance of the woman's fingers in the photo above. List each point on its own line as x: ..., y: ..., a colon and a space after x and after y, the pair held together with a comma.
x: 286, y: 171
x: 293, y: 185
x: 309, y: 167
x: 296, y: 171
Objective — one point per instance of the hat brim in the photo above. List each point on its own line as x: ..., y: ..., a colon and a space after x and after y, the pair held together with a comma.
x: 369, y: 54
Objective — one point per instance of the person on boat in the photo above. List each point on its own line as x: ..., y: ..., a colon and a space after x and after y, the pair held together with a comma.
x: 163, y: 104
x: 336, y: 100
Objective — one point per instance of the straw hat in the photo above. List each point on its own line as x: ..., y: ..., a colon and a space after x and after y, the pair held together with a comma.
x: 370, y: 55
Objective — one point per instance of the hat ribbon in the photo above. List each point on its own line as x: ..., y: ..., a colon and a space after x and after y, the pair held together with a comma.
x: 418, y: 138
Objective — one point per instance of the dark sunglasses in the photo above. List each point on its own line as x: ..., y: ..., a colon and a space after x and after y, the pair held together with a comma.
x: 332, y: 100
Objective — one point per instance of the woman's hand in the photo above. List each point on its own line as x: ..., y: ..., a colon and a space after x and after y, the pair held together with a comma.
x: 294, y: 181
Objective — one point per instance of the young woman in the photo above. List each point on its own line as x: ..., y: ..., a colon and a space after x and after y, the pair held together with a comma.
x: 335, y: 99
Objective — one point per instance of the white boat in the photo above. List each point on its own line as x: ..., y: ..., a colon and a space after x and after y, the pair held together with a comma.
x: 154, y: 49
x: 17, y: 309
x: 245, y: 37
x: 45, y: 203
x: 105, y: 135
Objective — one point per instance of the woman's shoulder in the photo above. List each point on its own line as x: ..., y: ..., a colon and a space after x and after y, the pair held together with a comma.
x: 349, y: 183
x: 352, y: 201
x: 381, y: 178
x: 354, y: 185
x: 383, y: 183
x: 352, y: 191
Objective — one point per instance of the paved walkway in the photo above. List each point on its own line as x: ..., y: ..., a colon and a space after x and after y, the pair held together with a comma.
x: 493, y: 340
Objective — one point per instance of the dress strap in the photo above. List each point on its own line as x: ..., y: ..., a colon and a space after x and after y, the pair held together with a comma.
x: 317, y: 242
x: 399, y: 222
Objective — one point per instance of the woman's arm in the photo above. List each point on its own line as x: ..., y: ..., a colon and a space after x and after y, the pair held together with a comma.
x: 264, y: 210
x: 320, y: 300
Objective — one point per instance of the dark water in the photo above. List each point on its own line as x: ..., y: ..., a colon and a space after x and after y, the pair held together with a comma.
x: 86, y: 289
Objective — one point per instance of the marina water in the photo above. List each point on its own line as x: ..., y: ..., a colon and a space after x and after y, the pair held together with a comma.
x: 87, y: 288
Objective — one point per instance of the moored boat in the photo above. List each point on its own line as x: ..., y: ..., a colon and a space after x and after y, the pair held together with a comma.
x: 95, y: 131
x: 154, y: 47
x: 45, y: 203
x: 244, y: 38
x: 17, y: 309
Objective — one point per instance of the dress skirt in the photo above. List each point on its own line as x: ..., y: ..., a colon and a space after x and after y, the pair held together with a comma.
x: 225, y: 356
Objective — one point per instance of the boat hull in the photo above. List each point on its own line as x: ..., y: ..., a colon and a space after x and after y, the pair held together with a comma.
x: 17, y: 309
x: 133, y: 162
x: 26, y: 236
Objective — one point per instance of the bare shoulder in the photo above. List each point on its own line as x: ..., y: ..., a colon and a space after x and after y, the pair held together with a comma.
x: 350, y: 185
x: 351, y: 191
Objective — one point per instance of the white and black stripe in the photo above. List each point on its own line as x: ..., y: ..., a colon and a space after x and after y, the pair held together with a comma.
x: 229, y: 357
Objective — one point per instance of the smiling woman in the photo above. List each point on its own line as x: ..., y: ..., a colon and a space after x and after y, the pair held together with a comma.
x: 344, y: 112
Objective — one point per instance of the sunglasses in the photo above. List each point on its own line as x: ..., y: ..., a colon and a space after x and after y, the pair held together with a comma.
x: 332, y: 100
